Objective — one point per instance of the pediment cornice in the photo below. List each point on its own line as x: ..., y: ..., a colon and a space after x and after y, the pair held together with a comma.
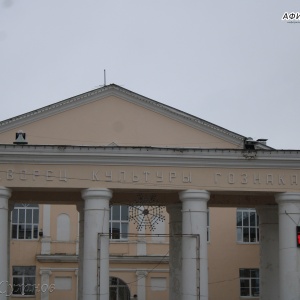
x: 115, y: 90
x: 148, y: 156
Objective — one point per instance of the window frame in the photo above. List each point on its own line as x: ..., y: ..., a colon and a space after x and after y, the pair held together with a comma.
x: 244, y: 228
x: 20, y: 228
x: 121, y: 219
x: 249, y: 280
x: 24, y: 276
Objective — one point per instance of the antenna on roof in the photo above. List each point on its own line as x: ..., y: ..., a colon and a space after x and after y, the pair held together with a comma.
x: 104, y: 77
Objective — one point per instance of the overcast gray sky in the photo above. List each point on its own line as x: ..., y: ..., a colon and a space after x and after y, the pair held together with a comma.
x: 234, y: 63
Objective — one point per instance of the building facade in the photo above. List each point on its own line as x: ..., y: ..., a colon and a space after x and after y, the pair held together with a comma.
x: 111, y: 195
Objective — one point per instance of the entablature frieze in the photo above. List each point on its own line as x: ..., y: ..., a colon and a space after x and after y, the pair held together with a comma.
x: 149, y: 178
x: 148, y: 168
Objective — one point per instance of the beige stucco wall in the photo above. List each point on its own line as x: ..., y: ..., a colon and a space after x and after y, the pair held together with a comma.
x: 114, y: 120
x: 225, y: 255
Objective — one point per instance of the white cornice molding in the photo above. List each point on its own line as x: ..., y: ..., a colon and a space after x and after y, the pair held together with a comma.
x: 147, y: 156
x: 139, y: 259
x: 131, y: 97
x: 57, y: 258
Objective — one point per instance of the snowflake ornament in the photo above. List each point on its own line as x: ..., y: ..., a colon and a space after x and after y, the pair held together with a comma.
x: 144, y: 214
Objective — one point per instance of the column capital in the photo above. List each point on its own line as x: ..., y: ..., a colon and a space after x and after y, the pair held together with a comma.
x: 194, y: 195
x: 5, y: 192
x: 141, y: 273
x: 287, y: 197
x: 96, y: 193
x: 45, y: 272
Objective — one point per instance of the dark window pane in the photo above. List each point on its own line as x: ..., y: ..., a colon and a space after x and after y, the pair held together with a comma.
x: 14, y: 216
x: 255, y: 292
x: 35, y: 231
x: 245, y: 219
x: 29, y: 216
x: 18, y: 270
x: 124, y: 212
x: 21, y: 215
x: 244, y: 273
x: 30, y: 270
x: 252, y: 234
x: 245, y: 292
x: 246, y: 235
x: 17, y: 285
x: 113, y: 293
x: 29, y: 286
x: 14, y: 233
x: 115, y: 230
x: 239, y: 233
x: 116, y: 212
x: 21, y: 231
x: 28, y: 232
x: 36, y: 216
x: 124, y: 231
x: 252, y: 218
x: 254, y: 283
x: 254, y: 273
x: 239, y: 218
x: 245, y: 283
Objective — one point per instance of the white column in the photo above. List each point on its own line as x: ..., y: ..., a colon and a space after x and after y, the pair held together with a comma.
x: 175, y: 229
x: 4, y: 196
x: 11, y: 206
x: 289, y: 254
x: 194, y: 244
x: 80, y: 208
x: 45, y: 274
x: 46, y: 239
x: 141, y: 284
x: 96, y: 235
x: 268, y: 238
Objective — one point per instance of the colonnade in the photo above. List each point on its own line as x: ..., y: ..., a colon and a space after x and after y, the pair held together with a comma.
x: 280, y: 257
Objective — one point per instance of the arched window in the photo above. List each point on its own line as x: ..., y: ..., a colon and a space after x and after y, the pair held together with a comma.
x: 63, y: 228
x: 118, y: 289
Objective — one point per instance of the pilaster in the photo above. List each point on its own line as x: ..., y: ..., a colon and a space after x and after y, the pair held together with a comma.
x: 141, y: 284
x: 45, y: 283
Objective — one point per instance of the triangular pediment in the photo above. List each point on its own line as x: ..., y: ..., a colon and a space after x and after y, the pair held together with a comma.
x: 114, y: 116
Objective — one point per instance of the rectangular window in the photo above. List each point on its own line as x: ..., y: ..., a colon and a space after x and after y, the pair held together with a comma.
x: 247, y: 225
x: 118, y: 222
x: 25, y: 221
x: 23, y: 280
x: 249, y: 282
